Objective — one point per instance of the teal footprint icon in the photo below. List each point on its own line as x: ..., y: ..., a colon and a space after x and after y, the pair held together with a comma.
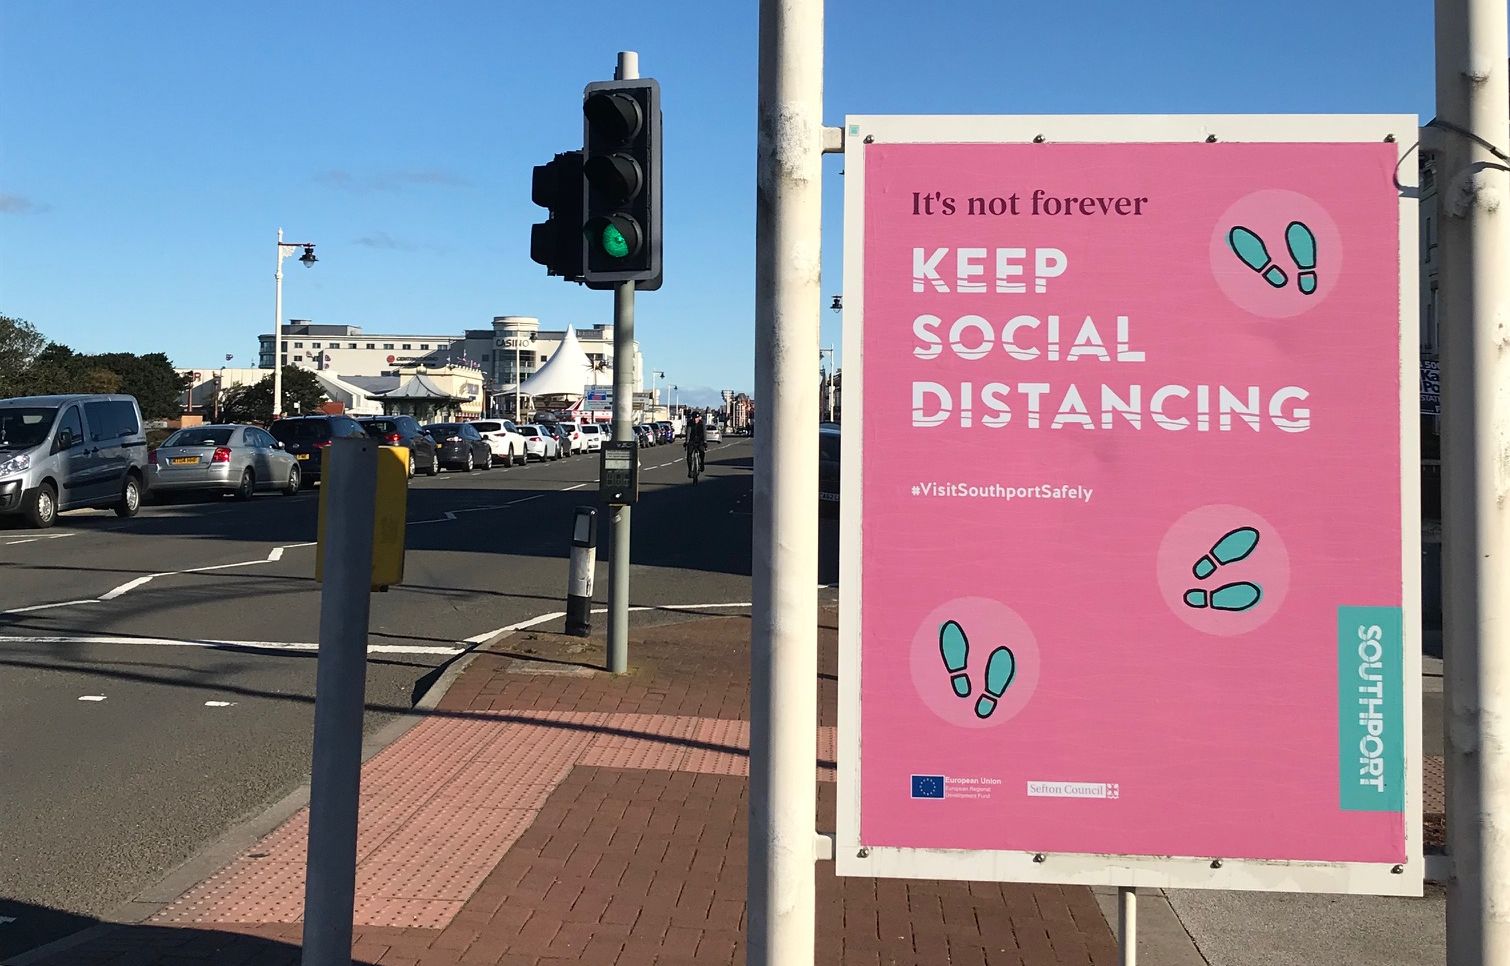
x: 1254, y: 254
x: 1001, y: 668
x: 1302, y: 244
x: 954, y: 647
x: 1231, y: 597
x: 1234, y: 545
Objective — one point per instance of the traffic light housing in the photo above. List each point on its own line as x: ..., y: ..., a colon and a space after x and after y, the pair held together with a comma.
x: 558, y: 243
x: 621, y: 168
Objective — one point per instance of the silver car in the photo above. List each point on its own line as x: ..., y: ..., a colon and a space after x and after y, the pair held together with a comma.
x: 229, y: 459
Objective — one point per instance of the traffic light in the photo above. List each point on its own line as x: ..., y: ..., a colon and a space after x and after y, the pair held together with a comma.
x: 621, y: 148
x: 557, y: 243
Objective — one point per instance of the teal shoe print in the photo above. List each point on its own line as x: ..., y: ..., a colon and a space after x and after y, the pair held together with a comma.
x: 954, y: 647
x: 1235, y: 545
x: 1302, y: 244
x: 1001, y: 667
x: 1230, y: 597
x: 1251, y: 250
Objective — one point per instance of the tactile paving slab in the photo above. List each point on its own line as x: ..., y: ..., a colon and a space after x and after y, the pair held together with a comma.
x: 443, y: 804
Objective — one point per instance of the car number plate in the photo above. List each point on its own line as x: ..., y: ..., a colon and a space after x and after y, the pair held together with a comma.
x: 181, y: 460
x: 303, y: 456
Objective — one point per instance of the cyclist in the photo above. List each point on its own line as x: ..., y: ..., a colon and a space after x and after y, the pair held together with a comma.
x: 697, y: 443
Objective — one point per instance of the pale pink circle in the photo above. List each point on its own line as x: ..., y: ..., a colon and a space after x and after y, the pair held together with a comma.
x: 1268, y: 213
x: 1193, y: 537
x: 988, y: 624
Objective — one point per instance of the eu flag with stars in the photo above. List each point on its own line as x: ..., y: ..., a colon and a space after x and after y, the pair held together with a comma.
x: 927, y: 786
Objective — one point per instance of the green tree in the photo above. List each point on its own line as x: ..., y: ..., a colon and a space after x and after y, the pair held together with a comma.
x: 20, y: 342
x: 151, y: 378
x: 302, y: 393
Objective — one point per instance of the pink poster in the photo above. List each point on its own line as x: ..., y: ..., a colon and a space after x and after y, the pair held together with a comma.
x: 1131, y: 500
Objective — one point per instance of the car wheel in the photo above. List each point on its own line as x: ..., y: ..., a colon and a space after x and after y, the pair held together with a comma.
x: 487, y: 462
x: 411, y: 466
x: 247, y: 486
x: 131, y: 497
x: 294, y: 482
x: 41, y: 508
x: 470, y: 464
x: 434, y: 465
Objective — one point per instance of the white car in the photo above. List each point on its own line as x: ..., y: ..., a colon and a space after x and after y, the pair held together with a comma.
x: 539, y: 444
x: 503, y: 439
x: 592, y: 437
x: 572, y: 433
x: 712, y: 434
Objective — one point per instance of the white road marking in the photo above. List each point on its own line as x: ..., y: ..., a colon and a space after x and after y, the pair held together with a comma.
x: 49, y: 536
x: 6, y: 919
x: 480, y: 638
x: 604, y: 610
x: 91, y: 697
x: 64, y: 603
x: 220, y: 704
x: 451, y: 515
x: 269, y: 646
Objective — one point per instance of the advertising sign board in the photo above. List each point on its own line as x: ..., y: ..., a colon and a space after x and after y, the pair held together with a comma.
x: 1130, y: 578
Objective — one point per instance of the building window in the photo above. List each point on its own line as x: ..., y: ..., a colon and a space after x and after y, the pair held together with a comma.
x: 298, y: 358
x: 314, y: 345
x: 408, y: 346
x: 351, y: 345
x: 370, y: 345
x: 387, y: 345
x: 298, y: 345
x: 424, y: 345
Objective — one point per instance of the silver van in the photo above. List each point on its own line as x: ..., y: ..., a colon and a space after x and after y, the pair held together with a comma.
x: 66, y: 452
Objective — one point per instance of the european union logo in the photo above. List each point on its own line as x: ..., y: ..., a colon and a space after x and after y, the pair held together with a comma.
x: 927, y: 786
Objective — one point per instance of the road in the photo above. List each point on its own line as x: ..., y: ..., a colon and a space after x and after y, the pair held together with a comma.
x: 157, y: 674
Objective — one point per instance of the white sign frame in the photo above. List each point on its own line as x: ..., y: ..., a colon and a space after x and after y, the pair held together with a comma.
x: 856, y: 858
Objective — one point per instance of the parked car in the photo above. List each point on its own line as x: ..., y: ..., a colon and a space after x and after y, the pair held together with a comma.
x: 571, y: 432
x: 666, y: 431
x: 307, y: 436
x: 562, y: 440
x: 539, y: 444
x: 67, y: 452
x: 828, y: 469
x: 644, y: 434
x: 223, y: 458
x: 404, y: 431
x: 712, y: 433
x: 461, y: 446
x: 592, y: 437
x: 503, y: 439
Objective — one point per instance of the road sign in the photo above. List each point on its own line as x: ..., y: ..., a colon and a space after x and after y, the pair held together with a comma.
x: 1130, y: 572
x: 1431, y: 387
x: 597, y: 399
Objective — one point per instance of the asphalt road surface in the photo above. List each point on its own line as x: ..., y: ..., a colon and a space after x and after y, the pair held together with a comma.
x: 157, y: 674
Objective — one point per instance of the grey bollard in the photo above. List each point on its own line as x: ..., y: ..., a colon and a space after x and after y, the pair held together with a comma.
x: 584, y: 560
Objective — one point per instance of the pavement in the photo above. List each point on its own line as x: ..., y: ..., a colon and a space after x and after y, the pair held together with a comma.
x: 158, y: 672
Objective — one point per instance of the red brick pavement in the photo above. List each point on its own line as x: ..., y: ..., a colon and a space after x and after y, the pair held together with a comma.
x: 630, y: 866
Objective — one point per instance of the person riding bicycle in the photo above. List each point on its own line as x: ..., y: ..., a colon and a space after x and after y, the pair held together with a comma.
x: 697, y: 439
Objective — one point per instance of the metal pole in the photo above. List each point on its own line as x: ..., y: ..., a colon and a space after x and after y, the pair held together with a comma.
x: 278, y: 330
x: 517, y: 380
x: 1473, y: 105
x: 784, y: 633
x: 623, y: 402
x: 1127, y: 926
x: 340, y: 689
x: 623, y: 394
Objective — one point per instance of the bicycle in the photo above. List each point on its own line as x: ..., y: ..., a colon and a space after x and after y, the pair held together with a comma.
x: 694, y: 461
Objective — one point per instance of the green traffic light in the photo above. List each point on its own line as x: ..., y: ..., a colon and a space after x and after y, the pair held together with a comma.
x: 614, y: 242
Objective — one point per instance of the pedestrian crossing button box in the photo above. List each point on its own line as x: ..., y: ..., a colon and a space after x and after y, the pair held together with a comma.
x: 619, y: 473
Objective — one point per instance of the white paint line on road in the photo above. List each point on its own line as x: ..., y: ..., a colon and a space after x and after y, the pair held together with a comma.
x: 62, y: 603
x: 576, y: 487
x: 480, y: 638
x: 91, y: 697
x: 450, y: 515
x: 269, y: 646
x: 220, y: 704
x: 5, y: 920
x: 604, y: 610
x: 48, y: 536
x: 273, y: 556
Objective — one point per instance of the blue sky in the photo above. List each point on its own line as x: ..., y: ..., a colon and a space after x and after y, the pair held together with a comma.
x: 149, y: 151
